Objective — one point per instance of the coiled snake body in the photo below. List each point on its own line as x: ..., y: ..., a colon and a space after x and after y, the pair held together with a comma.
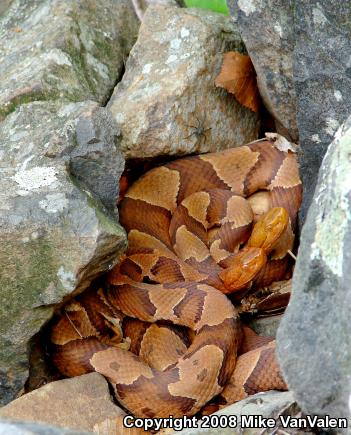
x: 186, y: 222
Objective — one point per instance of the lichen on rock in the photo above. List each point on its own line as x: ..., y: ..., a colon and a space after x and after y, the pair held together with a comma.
x: 55, y: 237
x: 63, y: 50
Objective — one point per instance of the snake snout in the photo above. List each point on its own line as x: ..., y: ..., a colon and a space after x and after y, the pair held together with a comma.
x: 269, y: 229
x: 245, y: 266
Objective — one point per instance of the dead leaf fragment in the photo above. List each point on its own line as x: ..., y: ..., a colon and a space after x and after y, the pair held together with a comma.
x: 281, y: 143
x: 238, y: 77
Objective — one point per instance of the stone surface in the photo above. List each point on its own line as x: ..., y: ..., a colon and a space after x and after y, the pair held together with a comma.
x: 4, y: 5
x: 8, y: 427
x: 314, y: 342
x: 301, y: 54
x: 55, y: 237
x: 322, y: 79
x: 167, y: 96
x: 73, y: 49
x: 78, y: 403
x: 266, y: 325
x: 140, y: 6
x: 269, y: 404
x: 267, y: 29
x: 97, y: 162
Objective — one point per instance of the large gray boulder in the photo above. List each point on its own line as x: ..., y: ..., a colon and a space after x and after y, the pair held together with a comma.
x: 314, y: 341
x: 54, y: 49
x: 322, y: 80
x: 166, y: 103
x: 8, y: 427
x: 55, y: 236
x: 301, y: 53
x: 96, y: 162
x: 266, y: 27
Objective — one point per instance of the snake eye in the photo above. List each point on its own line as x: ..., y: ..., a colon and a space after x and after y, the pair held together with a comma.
x: 269, y: 228
x: 245, y: 266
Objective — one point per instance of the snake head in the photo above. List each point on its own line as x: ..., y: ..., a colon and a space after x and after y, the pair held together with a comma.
x: 269, y: 229
x: 245, y: 266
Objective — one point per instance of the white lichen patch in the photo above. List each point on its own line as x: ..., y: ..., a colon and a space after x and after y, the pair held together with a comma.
x: 248, y: 6
x: 338, y: 95
x: 34, y: 235
x: 315, y: 138
x: 278, y: 28
x: 26, y: 161
x: 54, y: 203
x: 40, y: 13
x: 66, y: 278
x: 185, y: 56
x: 147, y: 68
x: 120, y: 117
x: 175, y: 44
x: 172, y: 58
x: 98, y: 66
x: 58, y: 56
x: 335, y: 187
x: 184, y: 32
x: 67, y: 110
x: 37, y: 177
x: 319, y: 19
x: 332, y: 126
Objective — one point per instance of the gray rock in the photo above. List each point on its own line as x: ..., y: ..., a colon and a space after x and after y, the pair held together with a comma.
x: 97, y: 162
x: 166, y: 103
x: 55, y: 238
x: 322, y: 81
x: 140, y: 6
x: 4, y: 5
x: 78, y: 403
x: 52, y: 49
x: 270, y: 404
x: 8, y: 427
x: 266, y: 27
x: 266, y: 325
x: 301, y: 55
x: 314, y: 344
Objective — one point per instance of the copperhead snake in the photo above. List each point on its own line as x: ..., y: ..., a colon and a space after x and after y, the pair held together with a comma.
x: 186, y: 221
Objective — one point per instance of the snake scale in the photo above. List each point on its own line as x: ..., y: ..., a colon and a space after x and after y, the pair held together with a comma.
x: 193, y: 239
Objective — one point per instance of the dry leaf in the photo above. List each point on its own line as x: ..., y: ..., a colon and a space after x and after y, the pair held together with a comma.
x: 281, y: 143
x: 238, y: 77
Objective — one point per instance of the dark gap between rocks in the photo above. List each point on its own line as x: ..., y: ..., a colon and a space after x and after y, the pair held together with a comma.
x: 118, y: 79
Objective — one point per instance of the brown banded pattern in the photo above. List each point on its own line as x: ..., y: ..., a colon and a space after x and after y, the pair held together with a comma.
x: 187, y: 222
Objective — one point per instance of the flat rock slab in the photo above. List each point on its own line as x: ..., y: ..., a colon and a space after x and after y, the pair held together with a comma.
x: 270, y: 404
x: 314, y: 344
x: 78, y: 403
x: 8, y: 427
x: 52, y: 49
x: 166, y: 103
x: 56, y: 237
